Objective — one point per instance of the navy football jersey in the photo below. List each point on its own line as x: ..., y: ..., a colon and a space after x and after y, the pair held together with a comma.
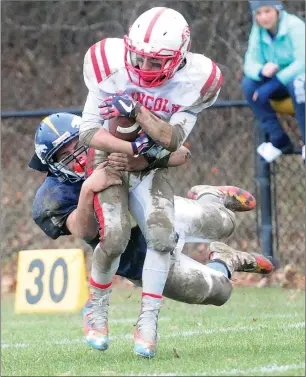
x: 53, y: 203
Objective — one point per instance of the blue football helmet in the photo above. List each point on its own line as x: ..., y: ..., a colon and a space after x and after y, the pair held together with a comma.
x: 53, y: 132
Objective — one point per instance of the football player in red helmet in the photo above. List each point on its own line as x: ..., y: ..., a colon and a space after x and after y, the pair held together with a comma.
x: 151, y: 76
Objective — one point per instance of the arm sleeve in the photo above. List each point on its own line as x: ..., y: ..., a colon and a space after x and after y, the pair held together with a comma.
x: 297, y: 37
x: 209, y: 84
x: 53, y: 224
x: 254, y: 60
x: 51, y: 208
x: 91, y: 119
x: 186, y: 119
x: 183, y: 122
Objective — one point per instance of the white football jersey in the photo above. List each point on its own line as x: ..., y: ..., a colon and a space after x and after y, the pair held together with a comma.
x: 193, y: 88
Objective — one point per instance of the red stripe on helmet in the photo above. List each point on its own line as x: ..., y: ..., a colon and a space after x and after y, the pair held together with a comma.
x: 220, y: 82
x: 95, y: 63
x: 104, y: 59
x: 210, y: 80
x: 151, y: 25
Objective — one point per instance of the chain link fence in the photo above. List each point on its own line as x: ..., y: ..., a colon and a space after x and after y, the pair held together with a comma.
x: 222, y: 154
x: 43, y: 46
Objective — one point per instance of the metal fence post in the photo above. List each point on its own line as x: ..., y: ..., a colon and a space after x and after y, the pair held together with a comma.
x: 263, y: 180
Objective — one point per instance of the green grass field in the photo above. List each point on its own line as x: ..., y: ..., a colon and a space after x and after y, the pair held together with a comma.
x: 258, y: 332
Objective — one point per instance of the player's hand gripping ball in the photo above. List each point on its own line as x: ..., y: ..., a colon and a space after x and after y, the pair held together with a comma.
x: 121, y: 104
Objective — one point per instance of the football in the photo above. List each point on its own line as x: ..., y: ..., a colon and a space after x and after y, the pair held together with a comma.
x: 124, y: 128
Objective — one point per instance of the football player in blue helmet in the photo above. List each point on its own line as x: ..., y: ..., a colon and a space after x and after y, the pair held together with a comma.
x: 59, y: 153
x: 52, y: 134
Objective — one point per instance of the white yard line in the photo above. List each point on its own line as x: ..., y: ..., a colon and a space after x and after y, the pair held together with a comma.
x: 183, y: 334
x: 271, y: 368
x: 16, y: 322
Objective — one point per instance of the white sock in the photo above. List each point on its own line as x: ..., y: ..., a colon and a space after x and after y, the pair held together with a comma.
x: 155, y: 272
x: 103, y: 267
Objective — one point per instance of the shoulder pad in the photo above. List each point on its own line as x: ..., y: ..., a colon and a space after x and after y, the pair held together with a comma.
x: 206, y: 76
x: 102, y: 60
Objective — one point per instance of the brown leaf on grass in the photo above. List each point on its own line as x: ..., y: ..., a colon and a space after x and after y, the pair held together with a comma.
x: 293, y: 296
x: 176, y: 355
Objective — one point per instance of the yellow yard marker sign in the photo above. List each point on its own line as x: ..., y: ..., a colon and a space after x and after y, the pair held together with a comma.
x: 51, y: 280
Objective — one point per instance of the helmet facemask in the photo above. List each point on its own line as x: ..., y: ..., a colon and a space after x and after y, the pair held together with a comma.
x: 170, y: 62
x: 71, y: 168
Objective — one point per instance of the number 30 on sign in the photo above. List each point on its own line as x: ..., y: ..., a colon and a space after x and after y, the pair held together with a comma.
x: 51, y: 280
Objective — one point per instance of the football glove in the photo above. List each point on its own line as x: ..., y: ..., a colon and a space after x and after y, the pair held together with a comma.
x: 121, y: 104
x: 142, y: 144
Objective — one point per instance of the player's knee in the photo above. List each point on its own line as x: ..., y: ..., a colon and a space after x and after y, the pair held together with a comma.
x: 161, y: 239
x: 193, y: 283
x: 220, y: 290
x: 114, y: 240
x: 219, y: 296
x: 222, y: 296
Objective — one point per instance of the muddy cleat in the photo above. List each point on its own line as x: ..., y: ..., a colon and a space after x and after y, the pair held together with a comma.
x: 95, y: 319
x: 239, y: 261
x: 233, y: 198
x: 145, y: 334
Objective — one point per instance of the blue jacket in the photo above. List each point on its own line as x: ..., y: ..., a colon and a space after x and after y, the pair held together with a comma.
x: 287, y: 49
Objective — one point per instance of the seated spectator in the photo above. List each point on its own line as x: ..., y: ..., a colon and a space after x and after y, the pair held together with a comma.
x: 274, y: 68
